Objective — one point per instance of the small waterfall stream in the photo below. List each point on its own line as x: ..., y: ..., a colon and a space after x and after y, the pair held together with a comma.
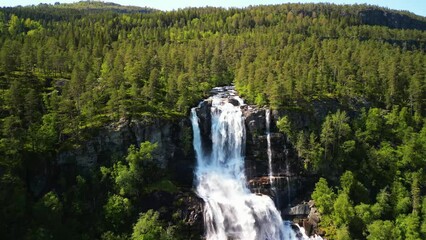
x: 288, y: 175
x: 269, y: 152
x: 231, y: 211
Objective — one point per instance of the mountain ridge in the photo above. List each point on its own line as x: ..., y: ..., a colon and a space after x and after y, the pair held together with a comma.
x: 364, y: 14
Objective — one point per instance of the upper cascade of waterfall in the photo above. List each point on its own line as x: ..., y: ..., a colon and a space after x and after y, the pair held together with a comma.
x: 231, y: 210
x: 268, y: 140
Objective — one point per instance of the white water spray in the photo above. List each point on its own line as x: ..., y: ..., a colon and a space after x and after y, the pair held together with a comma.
x: 231, y: 211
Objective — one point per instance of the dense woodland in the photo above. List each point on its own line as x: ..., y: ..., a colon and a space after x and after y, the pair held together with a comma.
x: 67, y: 70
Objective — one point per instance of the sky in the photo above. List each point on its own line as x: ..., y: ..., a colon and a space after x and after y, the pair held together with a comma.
x: 416, y: 6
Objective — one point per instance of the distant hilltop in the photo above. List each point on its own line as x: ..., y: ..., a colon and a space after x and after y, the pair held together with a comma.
x: 366, y: 14
x: 95, y: 6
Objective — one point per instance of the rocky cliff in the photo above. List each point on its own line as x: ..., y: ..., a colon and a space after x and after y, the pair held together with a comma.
x: 292, y: 183
x: 174, y: 152
x: 391, y: 19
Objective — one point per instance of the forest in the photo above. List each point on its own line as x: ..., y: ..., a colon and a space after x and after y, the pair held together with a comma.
x: 68, y: 70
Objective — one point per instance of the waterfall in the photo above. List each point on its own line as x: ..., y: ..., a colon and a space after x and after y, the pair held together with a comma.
x: 268, y: 139
x: 269, y: 152
x: 231, y: 211
x: 288, y: 175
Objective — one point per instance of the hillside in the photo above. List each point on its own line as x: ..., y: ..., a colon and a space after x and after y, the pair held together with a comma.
x: 98, y: 6
x: 95, y: 141
x: 71, y: 11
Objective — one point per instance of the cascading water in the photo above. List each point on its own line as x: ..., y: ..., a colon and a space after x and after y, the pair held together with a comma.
x: 288, y: 174
x: 269, y: 152
x: 268, y: 139
x: 231, y: 211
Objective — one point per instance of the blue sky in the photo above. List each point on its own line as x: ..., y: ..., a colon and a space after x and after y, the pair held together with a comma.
x: 415, y: 6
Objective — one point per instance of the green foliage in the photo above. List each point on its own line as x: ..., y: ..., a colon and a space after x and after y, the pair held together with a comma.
x: 423, y: 215
x: 48, y: 213
x: 117, y: 210
x: 374, y: 125
x: 260, y: 100
x: 137, y: 172
x: 284, y: 126
x: 162, y: 185
x: 125, y: 180
x: 400, y: 198
x: 139, y: 157
x: 352, y: 187
x: 111, y: 236
x: 382, y: 230
x: 13, y: 201
x: 323, y: 196
x: 409, y: 226
x: 343, y: 210
x: 343, y: 234
x: 44, y: 137
x: 364, y: 212
x: 382, y: 208
x: 148, y: 227
x: 335, y: 130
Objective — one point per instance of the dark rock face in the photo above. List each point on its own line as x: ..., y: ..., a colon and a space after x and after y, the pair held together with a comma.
x: 174, y: 150
x: 292, y: 183
x: 191, y: 209
x: 204, y: 114
x: 184, y: 205
x: 255, y: 119
x: 390, y: 19
x: 290, y: 180
x: 234, y: 101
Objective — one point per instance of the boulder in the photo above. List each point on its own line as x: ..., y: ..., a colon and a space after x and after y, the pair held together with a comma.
x: 300, y: 210
x: 234, y: 101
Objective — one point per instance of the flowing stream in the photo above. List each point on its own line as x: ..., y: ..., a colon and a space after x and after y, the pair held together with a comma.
x: 231, y: 211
